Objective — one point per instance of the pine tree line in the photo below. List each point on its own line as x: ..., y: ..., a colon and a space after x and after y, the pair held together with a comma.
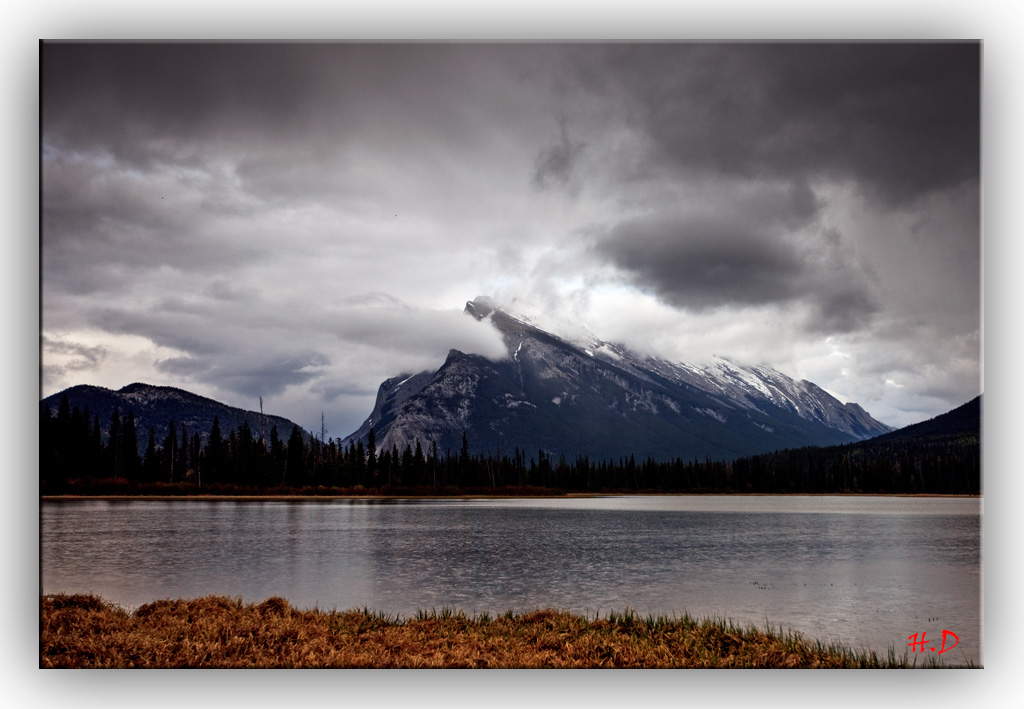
x: 75, y: 458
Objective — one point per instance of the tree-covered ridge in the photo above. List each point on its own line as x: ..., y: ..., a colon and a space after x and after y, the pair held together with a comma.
x: 156, y: 406
x: 941, y: 456
x: 964, y: 420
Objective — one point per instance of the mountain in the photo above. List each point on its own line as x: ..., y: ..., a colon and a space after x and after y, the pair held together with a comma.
x: 938, y: 456
x: 594, y: 398
x: 963, y: 422
x: 156, y: 406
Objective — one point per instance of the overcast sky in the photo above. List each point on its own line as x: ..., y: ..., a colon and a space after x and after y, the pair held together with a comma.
x: 300, y: 222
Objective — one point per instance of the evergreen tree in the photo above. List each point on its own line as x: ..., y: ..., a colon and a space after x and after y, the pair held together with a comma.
x: 151, y: 462
x: 418, y: 465
x: 463, y: 460
x: 62, y: 427
x: 95, y: 460
x: 50, y: 467
x: 113, y: 451
x: 231, y: 458
x: 130, y: 448
x: 432, y: 461
x: 277, y: 457
x: 185, y: 454
x: 195, y: 455
x: 77, y: 442
x: 214, y: 453
x: 170, y: 454
x: 386, y: 463
x: 295, y: 465
x: 407, y: 462
x: 246, y: 462
x: 371, y: 454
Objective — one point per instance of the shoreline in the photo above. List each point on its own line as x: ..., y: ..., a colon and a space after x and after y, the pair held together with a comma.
x: 84, y: 631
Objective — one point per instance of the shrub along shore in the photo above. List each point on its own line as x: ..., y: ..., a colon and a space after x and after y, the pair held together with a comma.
x: 81, y: 631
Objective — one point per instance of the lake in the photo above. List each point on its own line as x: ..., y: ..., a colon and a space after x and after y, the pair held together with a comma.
x: 869, y: 572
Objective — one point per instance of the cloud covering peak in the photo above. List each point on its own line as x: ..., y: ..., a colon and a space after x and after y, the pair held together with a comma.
x: 226, y: 217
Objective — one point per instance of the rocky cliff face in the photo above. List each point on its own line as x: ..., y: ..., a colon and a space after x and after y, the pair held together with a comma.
x: 590, y: 397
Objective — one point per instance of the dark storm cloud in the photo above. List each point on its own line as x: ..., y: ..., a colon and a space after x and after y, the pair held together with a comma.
x: 265, y: 374
x: 170, y: 324
x: 555, y: 165
x: 225, y: 344
x: 730, y: 125
x: 158, y: 102
x: 698, y: 263
x: 900, y: 120
x: 104, y: 226
x: 840, y: 302
x: 230, y: 340
x: 89, y: 355
x: 214, y: 208
x: 130, y: 97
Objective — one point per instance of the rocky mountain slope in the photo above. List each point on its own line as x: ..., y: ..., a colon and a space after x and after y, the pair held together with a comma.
x: 589, y: 397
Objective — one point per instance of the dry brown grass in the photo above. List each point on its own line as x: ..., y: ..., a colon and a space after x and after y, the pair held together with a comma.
x: 84, y: 631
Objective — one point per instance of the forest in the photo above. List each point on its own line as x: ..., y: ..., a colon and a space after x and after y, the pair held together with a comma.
x: 77, y: 458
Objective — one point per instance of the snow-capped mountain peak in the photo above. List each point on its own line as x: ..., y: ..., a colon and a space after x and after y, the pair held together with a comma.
x: 573, y: 393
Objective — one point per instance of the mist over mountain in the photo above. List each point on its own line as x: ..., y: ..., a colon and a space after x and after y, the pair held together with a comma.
x: 573, y: 395
x: 595, y: 398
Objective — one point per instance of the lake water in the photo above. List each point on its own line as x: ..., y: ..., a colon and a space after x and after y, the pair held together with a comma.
x: 866, y: 571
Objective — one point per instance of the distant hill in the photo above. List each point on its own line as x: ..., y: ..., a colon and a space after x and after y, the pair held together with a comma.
x: 964, y: 420
x: 938, y: 456
x: 157, y: 406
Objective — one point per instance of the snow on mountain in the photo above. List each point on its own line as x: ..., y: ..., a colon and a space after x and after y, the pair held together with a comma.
x: 576, y: 394
x: 747, y: 386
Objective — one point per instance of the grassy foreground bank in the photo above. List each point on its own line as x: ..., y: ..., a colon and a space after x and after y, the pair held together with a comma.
x: 86, y: 632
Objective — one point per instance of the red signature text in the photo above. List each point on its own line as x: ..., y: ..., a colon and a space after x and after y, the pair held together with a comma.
x: 916, y: 645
